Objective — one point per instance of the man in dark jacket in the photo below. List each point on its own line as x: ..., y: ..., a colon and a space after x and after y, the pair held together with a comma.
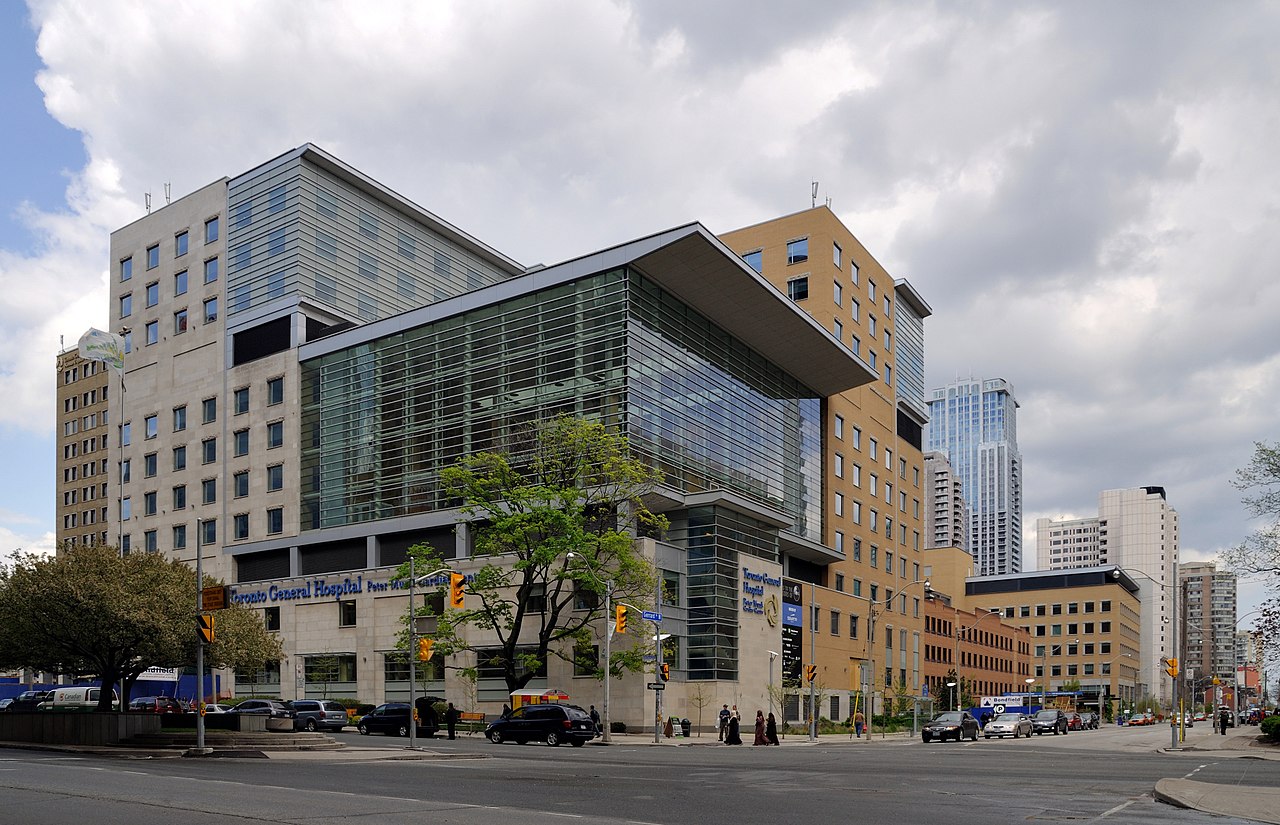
x: 451, y: 719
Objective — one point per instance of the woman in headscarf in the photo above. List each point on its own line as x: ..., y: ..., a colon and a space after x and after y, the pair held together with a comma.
x: 760, y: 740
x: 771, y: 729
x: 733, y: 736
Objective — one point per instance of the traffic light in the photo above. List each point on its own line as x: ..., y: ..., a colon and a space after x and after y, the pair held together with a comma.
x: 666, y: 672
x: 620, y: 619
x: 205, y: 624
x: 810, y: 672
x: 456, y: 599
x: 1171, y: 667
x: 424, y: 649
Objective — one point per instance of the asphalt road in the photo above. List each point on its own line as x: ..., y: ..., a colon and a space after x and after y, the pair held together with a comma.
x: 1100, y: 776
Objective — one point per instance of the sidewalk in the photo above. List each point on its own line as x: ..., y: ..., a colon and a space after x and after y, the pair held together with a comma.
x: 1242, y: 801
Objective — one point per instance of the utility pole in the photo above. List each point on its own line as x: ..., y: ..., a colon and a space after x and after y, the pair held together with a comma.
x: 199, y: 641
x: 813, y: 658
x: 657, y: 668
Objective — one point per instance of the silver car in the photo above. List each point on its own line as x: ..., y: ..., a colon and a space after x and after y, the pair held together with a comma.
x: 1008, y: 724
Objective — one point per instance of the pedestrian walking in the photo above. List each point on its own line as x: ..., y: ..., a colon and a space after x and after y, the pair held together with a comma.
x: 724, y: 721
x: 858, y: 721
x: 1224, y: 718
x: 732, y: 736
x: 771, y: 730
x: 451, y: 719
x: 760, y: 740
x: 595, y: 720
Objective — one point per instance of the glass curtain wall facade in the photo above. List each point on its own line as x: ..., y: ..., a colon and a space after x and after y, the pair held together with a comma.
x: 381, y: 418
x: 293, y: 229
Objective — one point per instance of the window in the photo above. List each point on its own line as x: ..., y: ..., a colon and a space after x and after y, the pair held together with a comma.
x: 211, y: 230
x: 126, y: 305
x: 180, y: 497
x: 241, y: 524
x: 241, y: 442
x: 798, y: 251
x: 239, y: 300
x: 275, y: 434
x: 839, y: 582
x: 839, y: 466
x: 153, y: 293
x: 125, y: 439
x: 347, y: 613
x: 152, y: 544
x: 837, y: 329
x: 153, y: 256
x: 835, y: 622
x: 153, y: 332
x: 209, y: 450
x: 241, y: 397
x: 241, y: 484
x: 853, y: 620
x: 179, y: 458
x: 275, y: 242
x: 211, y: 309
x: 151, y: 423
x: 126, y: 269
x: 839, y: 504
x: 835, y: 254
x: 242, y: 214
x: 209, y: 410
x: 798, y: 289
x: 149, y: 503
x: 211, y: 270
x: 179, y: 536
x: 838, y: 293
x: 275, y: 520
x: 126, y: 508
x: 888, y: 306
x: 406, y: 245
x: 367, y: 266
x: 755, y: 260
x: 180, y: 283
x: 209, y: 528
x: 275, y: 391
x: 275, y: 477
x: 271, y: 620
x: 871, y: 289
x: 326, y: 246
x: 839, y: 426
x: 874, y: 448
x: 857, y: 438
x: 179, y: 322
x: 149, y: 465
x: 209, y: 491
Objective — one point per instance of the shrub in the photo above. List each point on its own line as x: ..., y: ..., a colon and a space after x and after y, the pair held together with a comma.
x: 1271, y: 728
x: 621, y: 727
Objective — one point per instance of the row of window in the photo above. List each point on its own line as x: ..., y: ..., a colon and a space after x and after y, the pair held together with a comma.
x: 88, y: 369
x: 87, y: 422
x: 208, y: 528
x: 181, y: 244
x: 208, y: 452
x: 90, y: 493
x: 88, y: 470
x: 84, y: 399
x: 209, y: 414
x: 84, y: 518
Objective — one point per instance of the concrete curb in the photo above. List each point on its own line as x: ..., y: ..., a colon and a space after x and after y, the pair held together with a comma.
x: 1241, y: 801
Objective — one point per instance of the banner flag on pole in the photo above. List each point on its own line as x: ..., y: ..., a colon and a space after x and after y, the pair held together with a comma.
x: 107, y: 347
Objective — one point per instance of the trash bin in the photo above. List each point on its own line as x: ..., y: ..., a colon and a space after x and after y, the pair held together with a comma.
x: 685, y: 727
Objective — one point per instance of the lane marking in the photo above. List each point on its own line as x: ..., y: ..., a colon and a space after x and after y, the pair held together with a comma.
x: 1116, y: 809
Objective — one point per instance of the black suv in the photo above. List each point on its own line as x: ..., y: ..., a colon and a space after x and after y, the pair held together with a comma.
x: 1049, y: 721
x: 30, y: 699
x: 314, y: 714
x: 550, y: 723
x: 393, y: 719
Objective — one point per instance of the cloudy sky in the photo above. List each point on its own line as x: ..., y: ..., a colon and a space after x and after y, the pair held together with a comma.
x: 1085, y: 193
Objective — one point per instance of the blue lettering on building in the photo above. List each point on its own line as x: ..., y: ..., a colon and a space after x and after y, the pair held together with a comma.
x: 753, y: 585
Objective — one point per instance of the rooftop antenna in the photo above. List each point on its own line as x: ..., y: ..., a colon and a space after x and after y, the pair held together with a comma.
x: 167, y: 186
x: 814, y: 195
x: 828, y: 201
x: 146, y: 197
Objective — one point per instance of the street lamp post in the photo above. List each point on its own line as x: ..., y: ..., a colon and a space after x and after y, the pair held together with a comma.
x: 413, y: 649
x: 955, y: 694
x: 872, y: 612
x: 772, y: 655
x: 1115, y: 572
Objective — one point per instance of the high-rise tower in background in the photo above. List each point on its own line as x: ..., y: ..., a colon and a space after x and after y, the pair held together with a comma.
x: 974, y: 423
x: 1208, y: 622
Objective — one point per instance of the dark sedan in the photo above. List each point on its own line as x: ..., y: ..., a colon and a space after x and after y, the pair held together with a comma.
x: 1049, y: 721
x: 951, y: 724
x: 393, y: 719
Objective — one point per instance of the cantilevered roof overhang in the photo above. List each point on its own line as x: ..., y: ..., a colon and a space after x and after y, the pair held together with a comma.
x: 697, y: 268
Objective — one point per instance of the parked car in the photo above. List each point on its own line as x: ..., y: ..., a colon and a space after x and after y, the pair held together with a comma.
x: 264, y: 707
x: 5, y: 702
x: 1008, y: 724
x: 314, y: 714
x: 30, y: 700
x: 1049, y: 721
x: 1187, y: 721
x: 1075, y: 721
x: 213, y: 707
x: 550, y: 723
x: 1140, y: 719
x: 393, y: 719
x: 156, y: 704
x: 951, y: 724
x: 77, y: 698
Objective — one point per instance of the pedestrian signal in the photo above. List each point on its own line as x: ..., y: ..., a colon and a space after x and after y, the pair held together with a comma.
x: 620, y: 619
x: 666, y: 672
x: 424, y: 649
x: 456, y: 599
x: 810, y: 672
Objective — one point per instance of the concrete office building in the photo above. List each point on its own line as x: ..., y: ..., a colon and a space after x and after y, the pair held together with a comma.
x: 82, y: 462
x: 307, y: 348
x: 1208, y: 622
x: 974, y: 422
x: 946, y: 515
x: 1137, y: 530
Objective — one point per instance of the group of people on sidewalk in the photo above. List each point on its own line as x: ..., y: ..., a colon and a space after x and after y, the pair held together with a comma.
x: 731, y: 723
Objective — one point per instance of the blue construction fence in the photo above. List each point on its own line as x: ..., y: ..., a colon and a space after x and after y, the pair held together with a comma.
x: 183, y: 689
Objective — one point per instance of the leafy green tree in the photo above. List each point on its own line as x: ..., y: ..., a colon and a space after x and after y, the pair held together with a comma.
x: 90, y: 612
x: 1259, y: 554
x: 553, y: 523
